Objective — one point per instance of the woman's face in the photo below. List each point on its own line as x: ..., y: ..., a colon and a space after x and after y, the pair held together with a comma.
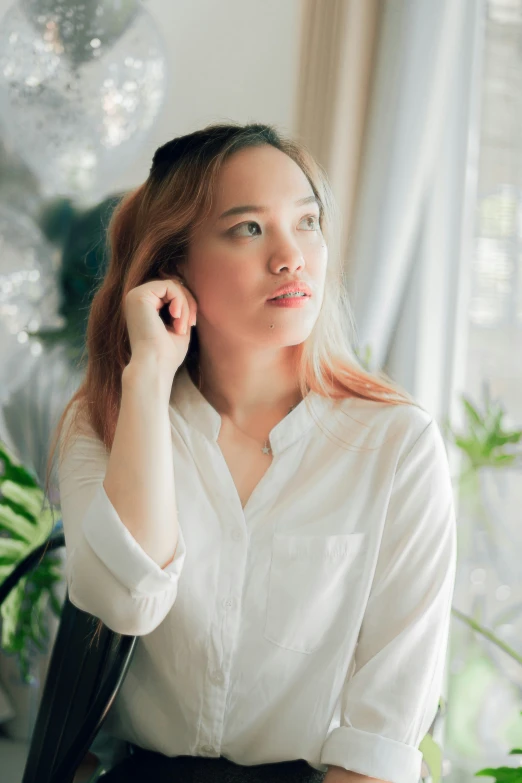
x: 236, y: 262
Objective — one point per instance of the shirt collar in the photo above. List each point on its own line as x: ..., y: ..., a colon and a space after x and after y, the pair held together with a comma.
x: 188, y: 401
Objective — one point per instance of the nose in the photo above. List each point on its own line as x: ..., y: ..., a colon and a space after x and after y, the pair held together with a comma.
x: 286, y: 256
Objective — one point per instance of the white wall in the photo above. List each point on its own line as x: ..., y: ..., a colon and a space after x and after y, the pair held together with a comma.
x: 228, y: 60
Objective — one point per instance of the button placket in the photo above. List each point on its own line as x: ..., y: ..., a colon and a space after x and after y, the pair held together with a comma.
x: 217, y: 677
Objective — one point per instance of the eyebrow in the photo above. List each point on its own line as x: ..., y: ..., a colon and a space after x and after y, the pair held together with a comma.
x: 253, y: 208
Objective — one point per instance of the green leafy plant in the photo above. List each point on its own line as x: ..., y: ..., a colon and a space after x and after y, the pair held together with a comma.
x: 485, y: 445
x: 504, y: 774
x: 24, y: 525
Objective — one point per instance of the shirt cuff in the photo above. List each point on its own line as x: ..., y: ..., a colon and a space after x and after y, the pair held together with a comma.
x: 372, y: 755
x: 122, y: 555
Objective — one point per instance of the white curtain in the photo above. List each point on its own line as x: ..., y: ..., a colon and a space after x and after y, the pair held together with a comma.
x: 337, y: 53
x: 413, y: 219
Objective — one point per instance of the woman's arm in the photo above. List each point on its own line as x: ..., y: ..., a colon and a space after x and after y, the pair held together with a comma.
x: 340, y: 775
x: 140, y: 475
x: 125, y: 550
x: 391, y: 697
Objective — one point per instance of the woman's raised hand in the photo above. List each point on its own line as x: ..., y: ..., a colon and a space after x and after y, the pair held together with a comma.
x: 163, y: 337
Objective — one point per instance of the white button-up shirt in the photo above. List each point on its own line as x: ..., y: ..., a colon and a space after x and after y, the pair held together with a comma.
x: 312, y: 624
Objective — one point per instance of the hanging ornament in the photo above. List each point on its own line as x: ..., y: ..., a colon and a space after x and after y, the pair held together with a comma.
x: 16, y: 362
x: 33, y: 409
x: 29, y: 293
x: 80, y: 87
x: 19, y: 187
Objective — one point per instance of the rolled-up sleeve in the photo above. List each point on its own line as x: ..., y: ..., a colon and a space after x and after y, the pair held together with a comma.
x: 391, y: 696
x: 109, y: 575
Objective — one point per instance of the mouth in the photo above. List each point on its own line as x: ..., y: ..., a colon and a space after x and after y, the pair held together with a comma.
x: 292, y: 288
x: 292, y: 295
x: 289, y: 300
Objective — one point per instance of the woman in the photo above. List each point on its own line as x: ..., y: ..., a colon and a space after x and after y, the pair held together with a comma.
x: 274, y: 521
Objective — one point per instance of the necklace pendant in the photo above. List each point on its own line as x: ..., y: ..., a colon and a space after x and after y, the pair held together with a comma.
x: 266, y: 448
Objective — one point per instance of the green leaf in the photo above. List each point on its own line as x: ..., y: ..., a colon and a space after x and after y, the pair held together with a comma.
x: 432, y: 755
x: 502, y: 774
x: 10, y: 611
x: 485, y: 436
x: 16, y: 525
x: 14, y: 471
x: 474, y: 416
x: 504, y: 459
x: 18, y: 509
x: 30, y: 498
x: 13, y: 549
x: 25, y: 525
x: 6, y: 560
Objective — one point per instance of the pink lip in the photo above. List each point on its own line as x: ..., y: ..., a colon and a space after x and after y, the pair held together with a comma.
x: 290, y: 288
x: 297, y: 301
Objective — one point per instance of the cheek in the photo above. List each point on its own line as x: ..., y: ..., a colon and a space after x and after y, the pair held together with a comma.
x: 317, y: 261
x: 220, y: 289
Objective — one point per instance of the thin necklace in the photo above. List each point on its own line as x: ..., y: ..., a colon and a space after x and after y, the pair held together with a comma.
x: 266, y: 448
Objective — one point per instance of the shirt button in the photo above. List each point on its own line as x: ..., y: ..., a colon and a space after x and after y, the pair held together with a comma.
x: 228, y: 603
x: 236, y: 535
x: 207, y: 749
x: 217, y: 677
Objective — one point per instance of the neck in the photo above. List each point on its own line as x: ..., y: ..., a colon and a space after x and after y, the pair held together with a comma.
x: 252, y: 388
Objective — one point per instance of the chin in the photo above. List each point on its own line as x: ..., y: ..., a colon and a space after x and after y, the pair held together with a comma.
x: 286, y: 337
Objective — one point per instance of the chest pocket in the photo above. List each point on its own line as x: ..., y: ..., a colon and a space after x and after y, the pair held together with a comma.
x: 309, y: 579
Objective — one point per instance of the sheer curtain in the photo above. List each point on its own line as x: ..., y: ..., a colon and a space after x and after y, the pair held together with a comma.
x: 338, y: 45
x: 393, y: 123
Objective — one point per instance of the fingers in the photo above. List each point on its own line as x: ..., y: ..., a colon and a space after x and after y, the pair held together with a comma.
x: 181, y: 316
x: 181, y: 304
x: 191, y: 304
x: 175, y: 307
x: 185, y: 308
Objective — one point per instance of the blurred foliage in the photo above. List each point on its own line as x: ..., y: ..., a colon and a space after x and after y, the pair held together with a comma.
x: 484, y: 443
x: 81, y: 235
x: 24, y: 525
x: 504, y: 774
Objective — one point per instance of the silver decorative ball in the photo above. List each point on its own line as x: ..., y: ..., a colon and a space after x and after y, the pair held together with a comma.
x: 80, y: 87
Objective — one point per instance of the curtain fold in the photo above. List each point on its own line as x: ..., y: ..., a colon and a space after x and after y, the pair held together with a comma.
x: 420, y: 114
x: 386, y: 105
x: 338, y: 40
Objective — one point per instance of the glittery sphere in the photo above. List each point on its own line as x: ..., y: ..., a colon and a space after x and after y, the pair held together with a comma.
x: 29, y: 298
x: 80, y: 86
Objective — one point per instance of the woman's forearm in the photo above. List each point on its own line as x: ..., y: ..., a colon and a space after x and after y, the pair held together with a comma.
x: 341, y: 775
x: 139, y: 480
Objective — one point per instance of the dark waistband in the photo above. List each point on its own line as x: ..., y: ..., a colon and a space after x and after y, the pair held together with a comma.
x: 220, y: 769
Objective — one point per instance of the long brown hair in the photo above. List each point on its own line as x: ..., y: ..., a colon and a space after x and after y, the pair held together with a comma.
x: 147, y: 238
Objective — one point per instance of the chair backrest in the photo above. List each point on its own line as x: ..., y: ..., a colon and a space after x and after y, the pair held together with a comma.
x: 82, y: 681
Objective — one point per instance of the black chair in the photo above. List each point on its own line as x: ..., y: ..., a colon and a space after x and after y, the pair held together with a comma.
x: 83, y: 679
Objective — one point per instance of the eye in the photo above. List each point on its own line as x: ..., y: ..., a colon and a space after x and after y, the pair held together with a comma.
x: 235, y: 230
x: 315, y: 221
